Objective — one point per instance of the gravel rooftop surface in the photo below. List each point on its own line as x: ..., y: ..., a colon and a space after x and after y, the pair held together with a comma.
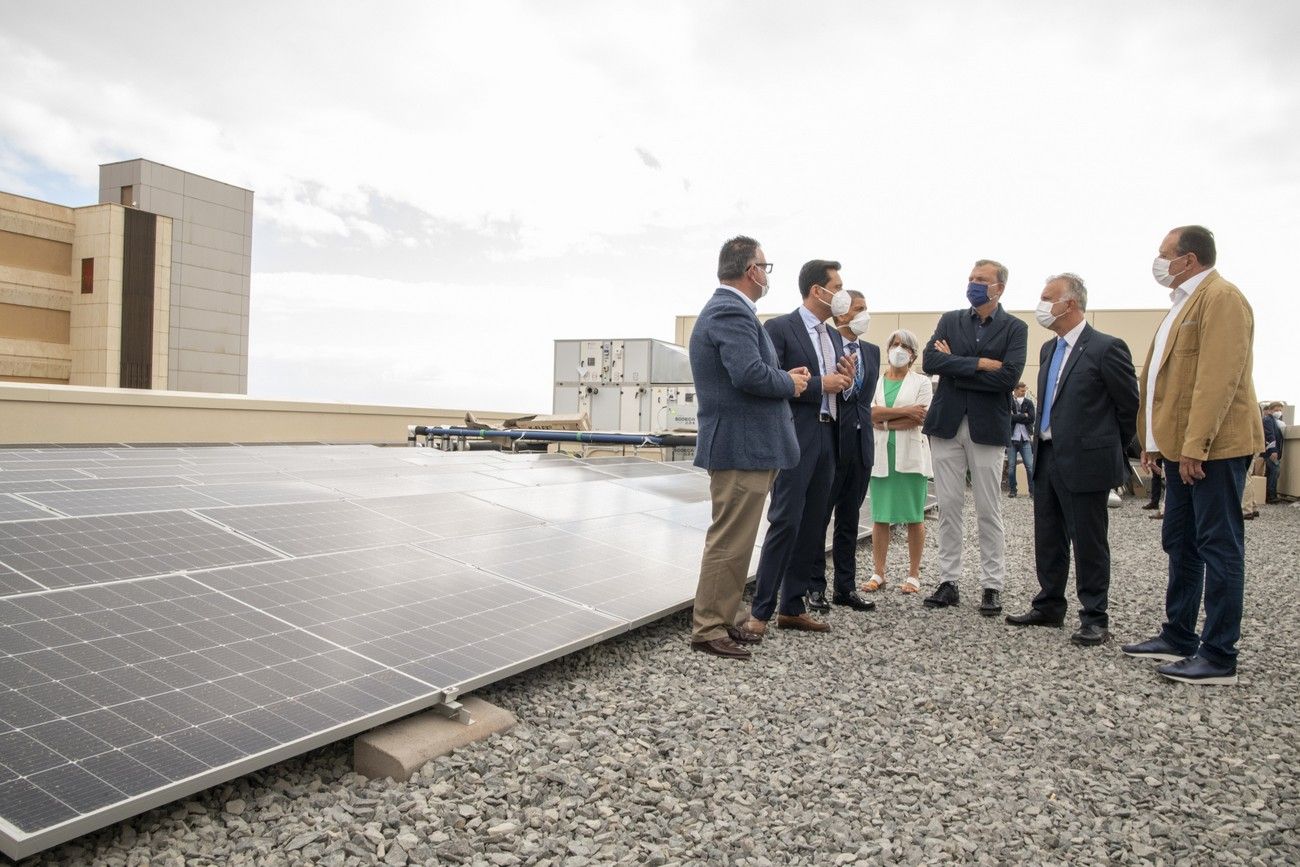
x: 904, y: 736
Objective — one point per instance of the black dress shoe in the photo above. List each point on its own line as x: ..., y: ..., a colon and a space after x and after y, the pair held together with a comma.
x: 991, y: 604
x: 944, y: 596
x: 1155, y: 648
x: 1149, y: 506
x: 743, y: 636
x: 1090, y: 635
x: 1034, y: 617
x: 816, y: 601
x: 854, y: 601
x: 1198, y: 669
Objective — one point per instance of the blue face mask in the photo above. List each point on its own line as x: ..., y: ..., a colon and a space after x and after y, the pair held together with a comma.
x: 977, y: 294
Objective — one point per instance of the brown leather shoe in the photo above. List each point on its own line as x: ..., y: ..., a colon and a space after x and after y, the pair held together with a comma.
x: 802, y: 622
x: 723, y: 646
x: 743, y: 636
x: 755, y: 627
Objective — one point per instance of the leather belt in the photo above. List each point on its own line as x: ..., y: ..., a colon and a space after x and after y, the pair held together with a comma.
x: 825, y: 418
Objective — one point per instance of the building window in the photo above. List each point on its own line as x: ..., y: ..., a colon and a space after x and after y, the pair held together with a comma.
x: 87, y: 276
x: 128, y: 196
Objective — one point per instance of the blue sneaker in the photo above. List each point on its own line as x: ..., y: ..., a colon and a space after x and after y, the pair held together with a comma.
x: 1154, y: 648
x: 1198, y: 669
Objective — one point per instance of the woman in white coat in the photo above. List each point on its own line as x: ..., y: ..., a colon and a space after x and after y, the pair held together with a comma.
x: 898, y: 477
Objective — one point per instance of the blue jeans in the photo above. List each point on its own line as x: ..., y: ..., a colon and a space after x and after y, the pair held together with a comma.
x: 1205, y: 538
x: 1025, y: 449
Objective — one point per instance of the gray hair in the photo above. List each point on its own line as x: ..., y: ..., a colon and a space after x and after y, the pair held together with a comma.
x: 1074, y: 288
x: 905, y: 338
x: 1001, y: 269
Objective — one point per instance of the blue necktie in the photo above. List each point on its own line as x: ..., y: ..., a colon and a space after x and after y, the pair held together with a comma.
x: 852, y: 349
x: 1053, y: 371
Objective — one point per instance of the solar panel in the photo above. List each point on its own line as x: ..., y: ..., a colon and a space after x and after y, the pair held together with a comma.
x: 204, y: 612
x: 66, y: 552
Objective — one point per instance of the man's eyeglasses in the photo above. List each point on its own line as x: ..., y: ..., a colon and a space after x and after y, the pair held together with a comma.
x: 766, y: 266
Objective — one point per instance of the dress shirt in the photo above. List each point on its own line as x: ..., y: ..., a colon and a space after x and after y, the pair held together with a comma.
x: 1178, y: 297
x: 811, y: 322
x: 743, y: 297
x: 981, y: 324
x: 1071, y: 337
x: 1019, y: 433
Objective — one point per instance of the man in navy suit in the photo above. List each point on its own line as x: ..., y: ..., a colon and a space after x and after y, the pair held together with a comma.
x: 857, y: 448
x: 1022, y: 438
x: 801, y: 493
x: 978, y: 353
x: 1274, y: 442
x: 745, y: 436
x: 1089, y: 392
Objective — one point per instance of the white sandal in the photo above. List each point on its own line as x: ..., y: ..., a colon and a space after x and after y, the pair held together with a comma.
x: 911, y: 585
x: 877, y: 582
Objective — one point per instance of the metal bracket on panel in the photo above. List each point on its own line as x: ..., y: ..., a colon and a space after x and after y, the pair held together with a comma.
x: 452, y: 709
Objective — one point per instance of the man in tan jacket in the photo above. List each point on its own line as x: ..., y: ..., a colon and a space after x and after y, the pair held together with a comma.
x: 1199, y: 418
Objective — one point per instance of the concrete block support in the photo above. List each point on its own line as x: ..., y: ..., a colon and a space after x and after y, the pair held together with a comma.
x: 400, y: 748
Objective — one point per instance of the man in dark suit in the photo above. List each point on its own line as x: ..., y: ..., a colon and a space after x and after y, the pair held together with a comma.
x: 857, y: 447
x: 1089, y: 392
x: 978, y: 353
x: 1274, y: 442
x: 800, y: 495
x: 745, y: 436
x: 1022, y: 438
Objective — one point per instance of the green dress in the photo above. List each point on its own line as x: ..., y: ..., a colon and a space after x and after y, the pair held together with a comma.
x: 898, y: 498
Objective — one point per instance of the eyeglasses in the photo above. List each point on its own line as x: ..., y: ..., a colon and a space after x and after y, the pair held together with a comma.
x: 766, y: 266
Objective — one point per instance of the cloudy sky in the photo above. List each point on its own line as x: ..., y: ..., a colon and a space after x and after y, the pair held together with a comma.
x: 444, y: 189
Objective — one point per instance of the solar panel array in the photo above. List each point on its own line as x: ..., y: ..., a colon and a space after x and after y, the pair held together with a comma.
x: 173, y: 617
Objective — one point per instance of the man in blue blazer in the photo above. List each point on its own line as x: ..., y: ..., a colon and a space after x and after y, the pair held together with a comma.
x: 857, y: 449
x: 978, y: 353
x: 1089, y: 393
x: 745, y: 436
x: 1274, y: 442
x: 801, y: 493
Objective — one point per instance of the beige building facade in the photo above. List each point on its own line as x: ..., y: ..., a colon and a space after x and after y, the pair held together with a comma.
x: 148, y: 289
x: 84, y: 294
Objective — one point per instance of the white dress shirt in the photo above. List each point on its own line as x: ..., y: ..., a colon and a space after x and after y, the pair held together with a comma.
x: 743, y: 297
x: 1179, y: 298
x: 1071, y: 337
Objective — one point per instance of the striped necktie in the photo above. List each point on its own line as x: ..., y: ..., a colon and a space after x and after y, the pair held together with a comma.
x: 828, y: 365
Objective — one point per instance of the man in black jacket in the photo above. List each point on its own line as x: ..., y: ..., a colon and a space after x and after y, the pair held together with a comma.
x: 1089, y: 393
x: 1022, y: 439
x: 978, y: 353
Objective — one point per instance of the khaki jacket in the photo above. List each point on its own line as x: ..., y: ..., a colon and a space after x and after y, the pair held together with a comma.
x: 1204, y: 404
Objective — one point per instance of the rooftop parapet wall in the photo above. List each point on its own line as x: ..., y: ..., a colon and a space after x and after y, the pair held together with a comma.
x: 68, y: 414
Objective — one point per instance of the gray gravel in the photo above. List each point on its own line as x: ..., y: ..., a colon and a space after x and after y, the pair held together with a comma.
x: 906, y: 735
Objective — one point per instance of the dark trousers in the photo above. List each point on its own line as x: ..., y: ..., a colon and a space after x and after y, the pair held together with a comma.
x: 1025, y: 449
x: 1157, y: 488
x: 1205, y: 538
x: 1271, y: 473
x: 797, y: 526
x: 1063, y: 519
x: 847, y: 493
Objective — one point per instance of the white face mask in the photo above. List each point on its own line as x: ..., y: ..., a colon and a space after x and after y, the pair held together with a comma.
x: 767, y: 284
x: 900, y: 357
x: 1160, y: 270
x: 1043, y: 313
x: 858, y: 324
x: 840, y: 302
x: 1277, y: 415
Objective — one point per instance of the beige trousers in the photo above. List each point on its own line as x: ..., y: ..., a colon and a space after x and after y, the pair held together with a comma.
x: 738, y: 497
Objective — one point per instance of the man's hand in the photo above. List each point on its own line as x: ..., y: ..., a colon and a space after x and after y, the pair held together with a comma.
x: 847, y: 366
x: 916, y: 413
x: 834, y: 383
x: 1274, y: 458
x: 1150, y: 461
x: 1191, y: 470
x: 800, y: 375
x: 942, y: 346
x: 988, y: 364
